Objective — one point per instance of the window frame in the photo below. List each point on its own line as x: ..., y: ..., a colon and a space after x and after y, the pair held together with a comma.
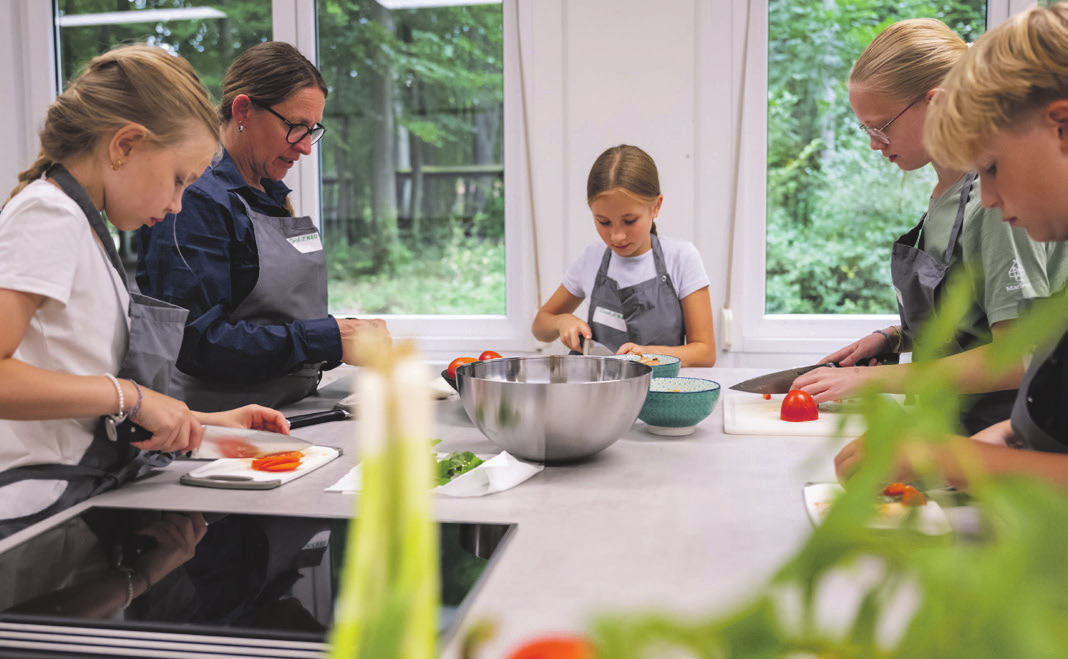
x: 294, y: 21
x: 755, y: 330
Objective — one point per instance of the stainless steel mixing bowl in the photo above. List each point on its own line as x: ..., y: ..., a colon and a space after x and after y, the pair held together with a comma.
x: 556, y: 408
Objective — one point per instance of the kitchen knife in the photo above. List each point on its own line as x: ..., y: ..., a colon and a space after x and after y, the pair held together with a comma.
x: 301, y: 420
x: 779, y: 382
x: 591, y: 347
x: 220, y: 442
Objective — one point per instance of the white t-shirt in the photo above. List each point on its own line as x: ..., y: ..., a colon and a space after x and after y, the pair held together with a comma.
x: 47, y: 248
x: 681, y: 258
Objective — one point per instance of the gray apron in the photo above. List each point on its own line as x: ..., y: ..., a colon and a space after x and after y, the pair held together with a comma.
x: 291, y: 286
x: 647, y: 313
x: 1046, y: 374
x: 918, y: 279
x: 156, y: 329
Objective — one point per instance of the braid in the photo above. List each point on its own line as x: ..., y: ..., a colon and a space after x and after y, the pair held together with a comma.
x: 34, y: 172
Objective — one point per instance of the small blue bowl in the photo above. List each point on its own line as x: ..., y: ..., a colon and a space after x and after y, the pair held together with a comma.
x: 668, y: 366
x: 674, y: 406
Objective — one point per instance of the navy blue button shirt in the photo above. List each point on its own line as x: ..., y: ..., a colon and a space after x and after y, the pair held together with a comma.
x: 215, y: 271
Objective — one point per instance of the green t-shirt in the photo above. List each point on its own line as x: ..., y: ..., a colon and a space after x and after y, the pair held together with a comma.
x: 1011, y: 267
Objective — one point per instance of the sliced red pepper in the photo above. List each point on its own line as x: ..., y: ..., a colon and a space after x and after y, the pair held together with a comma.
x: 278, y: 466
x: 895, y: 489
x: 913, y: 497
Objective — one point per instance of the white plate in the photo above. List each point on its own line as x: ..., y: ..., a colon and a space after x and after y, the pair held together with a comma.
x: 818, y: 497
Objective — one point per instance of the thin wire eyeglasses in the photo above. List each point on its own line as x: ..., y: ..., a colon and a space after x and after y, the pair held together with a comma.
x: 880, y: 133
x: 297, y: 132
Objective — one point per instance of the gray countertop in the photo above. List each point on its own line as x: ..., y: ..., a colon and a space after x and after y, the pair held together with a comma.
x: 686, y: 525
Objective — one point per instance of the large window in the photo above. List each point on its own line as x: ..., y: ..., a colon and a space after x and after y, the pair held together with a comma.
x: 412, y: 166
x: 408, y: 184
x: 834, y: 206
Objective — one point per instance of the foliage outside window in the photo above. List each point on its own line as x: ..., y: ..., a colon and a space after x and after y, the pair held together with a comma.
x: 835, y: 206
x: 412, y: 165
x: 88, y: 28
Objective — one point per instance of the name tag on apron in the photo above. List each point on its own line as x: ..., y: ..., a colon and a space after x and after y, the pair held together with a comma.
x: 609, y: 318
x: 309, y: 242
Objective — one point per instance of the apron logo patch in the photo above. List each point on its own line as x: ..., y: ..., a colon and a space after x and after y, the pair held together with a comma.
x: 309, y: 242
x: 1017, y: 273
x: 609, y: 318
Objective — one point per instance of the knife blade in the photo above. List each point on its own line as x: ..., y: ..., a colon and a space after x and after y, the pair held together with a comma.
x: 779, y: 382
x: 591, y: 347
x: 220, y: 442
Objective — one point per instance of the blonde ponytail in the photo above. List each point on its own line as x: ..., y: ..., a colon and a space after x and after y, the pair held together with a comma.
x: 137, y: 84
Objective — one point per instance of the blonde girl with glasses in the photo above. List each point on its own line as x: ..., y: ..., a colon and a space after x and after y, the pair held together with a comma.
x: 890, y: 91
x: 80, y: 354
x: 1004, y: 113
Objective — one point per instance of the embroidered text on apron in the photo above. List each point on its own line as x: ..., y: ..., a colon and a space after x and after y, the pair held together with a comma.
x: 1045, y: 374
x: 647, y: 313
x: 156, y: 329
x: 291, y: 285
x: 918, y: 278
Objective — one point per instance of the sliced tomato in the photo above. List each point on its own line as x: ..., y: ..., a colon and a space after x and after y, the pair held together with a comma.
x: 280, y: 466
x: 555, y: 647
x: 767, y: 396
x: 798, y: 406
x: 236, y: 447
x: 458, y: 362
x: 913, y: 497
x: 894, y: 489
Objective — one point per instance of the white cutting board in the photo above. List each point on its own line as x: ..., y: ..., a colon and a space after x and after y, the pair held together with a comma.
x: 749, y: 414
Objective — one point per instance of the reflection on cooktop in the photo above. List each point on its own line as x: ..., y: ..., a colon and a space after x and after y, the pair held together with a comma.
x: 251, y: 583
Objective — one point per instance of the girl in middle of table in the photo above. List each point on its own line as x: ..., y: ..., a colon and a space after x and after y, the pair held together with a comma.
x: 646, y: 294
x: 890, y: 88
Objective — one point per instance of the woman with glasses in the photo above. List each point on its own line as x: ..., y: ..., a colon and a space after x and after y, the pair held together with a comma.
x: 252, y: 275
x: 890, y: 90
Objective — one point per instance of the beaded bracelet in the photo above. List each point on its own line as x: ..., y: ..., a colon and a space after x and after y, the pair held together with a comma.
x: 129, y: 572
x: 121, y: 415
x: 135, y: 411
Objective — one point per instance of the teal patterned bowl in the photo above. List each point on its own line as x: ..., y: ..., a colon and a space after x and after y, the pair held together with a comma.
x: 667, y: 368
x: 674, y: 406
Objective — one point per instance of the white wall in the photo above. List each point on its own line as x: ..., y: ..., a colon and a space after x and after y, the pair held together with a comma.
x: 663, y: 75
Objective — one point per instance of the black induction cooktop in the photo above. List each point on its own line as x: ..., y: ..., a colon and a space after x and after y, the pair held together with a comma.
x: 254, y: 586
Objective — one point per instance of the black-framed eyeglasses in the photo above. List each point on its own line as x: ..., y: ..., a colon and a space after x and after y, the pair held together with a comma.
x: 297, y: 132
x: 880, y: 133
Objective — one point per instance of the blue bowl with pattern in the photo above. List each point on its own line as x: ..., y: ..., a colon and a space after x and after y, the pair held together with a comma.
x: 664, y: 366
x: 674, y: 406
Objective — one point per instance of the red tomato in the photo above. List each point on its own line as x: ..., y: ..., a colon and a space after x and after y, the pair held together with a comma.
x: 798, y: 406
x: 767, y: 396
x: 235, y: 447
x: 555, y: 647
x: 489, y: 354
x: 913, y: 497
x: 458, y: 362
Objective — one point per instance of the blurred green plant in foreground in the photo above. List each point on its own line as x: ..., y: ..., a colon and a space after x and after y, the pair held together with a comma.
x: 1001, y: 595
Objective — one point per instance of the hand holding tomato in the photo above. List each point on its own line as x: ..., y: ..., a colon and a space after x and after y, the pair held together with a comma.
x: 798, y: 406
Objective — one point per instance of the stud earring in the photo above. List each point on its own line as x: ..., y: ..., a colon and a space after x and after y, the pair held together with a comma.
x: 240, y: 127
x: 116, y: 165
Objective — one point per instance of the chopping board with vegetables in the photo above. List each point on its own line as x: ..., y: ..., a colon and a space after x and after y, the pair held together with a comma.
x: 760, y: 414
x: 260, y: 473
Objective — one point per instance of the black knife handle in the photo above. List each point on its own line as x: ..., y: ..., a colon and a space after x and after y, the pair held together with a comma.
x: 126, y: 432
x: 301, y: 420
